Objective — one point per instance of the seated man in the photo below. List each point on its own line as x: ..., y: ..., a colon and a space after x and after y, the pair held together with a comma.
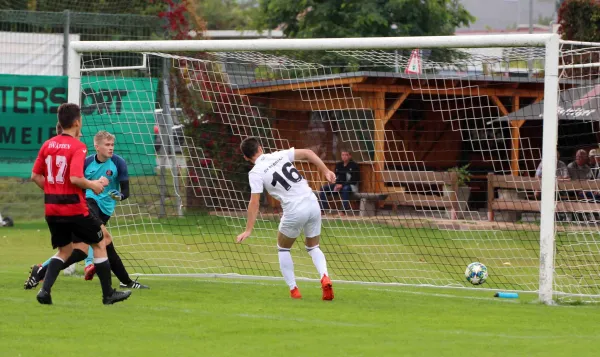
x: 595, y: 163
x: 579, y: 169
x: 347, y: 177
x: 562, y: 172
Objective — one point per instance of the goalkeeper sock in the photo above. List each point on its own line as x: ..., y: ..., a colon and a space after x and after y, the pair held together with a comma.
x: 117, y: 265
x: 287, y: 267
x: 43, y: 269
x: 89, y: 260
x: 54, y: 267
x: 45, y: 264
x: 103, y: 271
x: 318, y: 259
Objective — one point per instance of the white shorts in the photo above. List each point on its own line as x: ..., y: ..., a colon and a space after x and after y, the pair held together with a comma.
x: 304, y: 215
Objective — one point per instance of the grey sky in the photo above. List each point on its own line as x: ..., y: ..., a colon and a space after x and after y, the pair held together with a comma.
x: 500, y: 14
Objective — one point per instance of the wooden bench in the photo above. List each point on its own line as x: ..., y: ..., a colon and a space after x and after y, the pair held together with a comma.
x: 530, y: 187
x: 423, y: 190
x: 368, y: 201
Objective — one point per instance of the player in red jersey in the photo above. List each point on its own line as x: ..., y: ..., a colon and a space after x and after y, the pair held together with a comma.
x: 58, y: 170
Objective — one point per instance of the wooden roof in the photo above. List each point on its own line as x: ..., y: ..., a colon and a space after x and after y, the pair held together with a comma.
x: 389, y: 82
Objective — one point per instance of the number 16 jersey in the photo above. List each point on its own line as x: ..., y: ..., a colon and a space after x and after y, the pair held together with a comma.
x: 277, y: 174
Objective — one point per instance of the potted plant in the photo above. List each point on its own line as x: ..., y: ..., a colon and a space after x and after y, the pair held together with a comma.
x: 463, y: 176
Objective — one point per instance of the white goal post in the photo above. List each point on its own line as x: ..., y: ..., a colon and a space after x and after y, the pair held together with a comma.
x: 176, y: 51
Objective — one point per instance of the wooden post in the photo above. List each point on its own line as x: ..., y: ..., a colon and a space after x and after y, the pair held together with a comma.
x: 376, y: 102
x: 490, y: 192
x: 515, y: 133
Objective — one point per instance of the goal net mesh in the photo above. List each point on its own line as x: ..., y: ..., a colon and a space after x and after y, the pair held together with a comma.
x: 448, y: 143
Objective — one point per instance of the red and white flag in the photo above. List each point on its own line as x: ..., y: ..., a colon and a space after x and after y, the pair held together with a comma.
x: 414, y: 63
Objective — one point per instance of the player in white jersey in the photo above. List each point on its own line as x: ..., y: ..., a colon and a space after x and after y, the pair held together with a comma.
x: 301, y: 210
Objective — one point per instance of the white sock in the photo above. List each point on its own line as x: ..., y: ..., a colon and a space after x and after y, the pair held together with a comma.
x: 287, y: 267
x: 100, y: 260
x: 318, y: 259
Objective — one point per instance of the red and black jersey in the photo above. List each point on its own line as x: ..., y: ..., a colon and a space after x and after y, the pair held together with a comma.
x: 60, y: 158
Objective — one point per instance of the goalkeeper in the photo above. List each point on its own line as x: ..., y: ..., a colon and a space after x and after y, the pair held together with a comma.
x: 102, y: 206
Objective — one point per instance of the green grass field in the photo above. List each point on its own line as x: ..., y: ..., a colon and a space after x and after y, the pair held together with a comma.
x: 227, y: 317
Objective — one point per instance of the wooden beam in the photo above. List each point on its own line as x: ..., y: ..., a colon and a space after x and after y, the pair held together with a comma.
x: 285, y: 86
x: 460, y: 92
x: 314, y: 105
x: 539, y: 98
x: 378, y: 106
x: 517, y: 123
x: 376, y: 101
x: 499, y: 104
x: 516, y: 104
x: 397, y: 103
x: 515, y: 134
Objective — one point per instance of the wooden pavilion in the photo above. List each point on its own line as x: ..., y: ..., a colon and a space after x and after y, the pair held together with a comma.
x: 395, y: 100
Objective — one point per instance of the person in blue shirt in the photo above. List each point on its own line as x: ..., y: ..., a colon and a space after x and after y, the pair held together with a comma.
x: 113, y: 167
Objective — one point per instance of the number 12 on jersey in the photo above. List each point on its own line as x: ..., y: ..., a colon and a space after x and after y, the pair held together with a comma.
x: 290, y: 173
x: 61, y: 163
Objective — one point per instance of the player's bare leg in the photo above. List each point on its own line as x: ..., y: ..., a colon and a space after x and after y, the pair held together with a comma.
x: 284, y: 244
x: 318, y: 258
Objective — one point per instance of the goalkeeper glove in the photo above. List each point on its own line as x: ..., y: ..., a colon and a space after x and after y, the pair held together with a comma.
x: 115, y: 195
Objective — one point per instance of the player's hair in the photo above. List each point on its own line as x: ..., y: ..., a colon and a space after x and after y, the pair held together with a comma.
x: 103, y: 135
x: 59, y: 129
x: 346, y: 150
x: 68, y: 113
x: 250, y: 146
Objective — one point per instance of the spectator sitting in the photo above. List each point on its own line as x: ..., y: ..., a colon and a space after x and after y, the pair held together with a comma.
x: 347, y: 175
x: 562, y: 173
x: 595, y: 163
x: 594, y: 155
x: 579, y: 169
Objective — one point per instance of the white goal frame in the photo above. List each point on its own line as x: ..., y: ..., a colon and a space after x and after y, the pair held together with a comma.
x: 550, y: 42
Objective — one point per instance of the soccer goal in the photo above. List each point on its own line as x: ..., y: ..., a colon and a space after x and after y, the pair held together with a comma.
x: 412, y: 112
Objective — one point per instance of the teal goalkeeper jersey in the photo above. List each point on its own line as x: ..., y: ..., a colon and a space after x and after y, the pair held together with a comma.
x: 115, y: 170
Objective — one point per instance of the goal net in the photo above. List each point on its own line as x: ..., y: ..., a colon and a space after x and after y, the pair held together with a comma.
x: 448, y: 142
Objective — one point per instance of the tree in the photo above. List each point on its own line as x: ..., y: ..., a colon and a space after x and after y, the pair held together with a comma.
x: 359, y: 18
x: 544, y: 20
x: 580, y: 20
x: 227, y: 14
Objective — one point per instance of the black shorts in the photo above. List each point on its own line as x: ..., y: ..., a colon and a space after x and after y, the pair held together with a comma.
x: 96, y: 214
x: 65, y: 230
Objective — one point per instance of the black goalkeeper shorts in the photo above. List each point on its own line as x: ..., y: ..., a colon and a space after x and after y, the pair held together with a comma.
x: 96, y: 214
x: 96, y: 211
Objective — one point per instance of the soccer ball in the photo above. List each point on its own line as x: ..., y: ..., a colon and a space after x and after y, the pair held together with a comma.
x: 70, y: 270
x: 476, y: 273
